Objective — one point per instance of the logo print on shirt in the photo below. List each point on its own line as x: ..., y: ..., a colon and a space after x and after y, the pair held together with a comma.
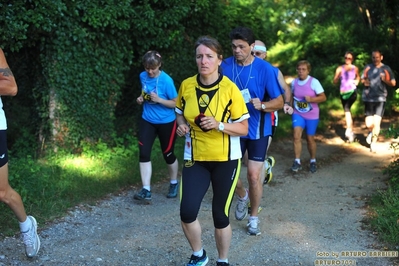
x: 203, y: 101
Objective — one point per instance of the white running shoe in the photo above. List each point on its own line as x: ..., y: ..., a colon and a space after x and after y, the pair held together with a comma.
x: 241, y: 209
x: 368, y: 138
x: 253, y: 226
x: 31, y: 239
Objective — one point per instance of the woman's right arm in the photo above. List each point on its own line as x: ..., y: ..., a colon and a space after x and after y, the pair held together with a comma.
x: 8, y: 85
x: 337, y: 75
x: 182, y: 127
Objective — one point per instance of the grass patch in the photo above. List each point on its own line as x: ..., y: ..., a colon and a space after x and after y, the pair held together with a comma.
x: 385, y: 208
x: 49, y: 187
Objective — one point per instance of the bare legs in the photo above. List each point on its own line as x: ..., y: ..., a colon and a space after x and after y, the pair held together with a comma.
x: 146, y: 172
x: 311, y: 144
x: 255, y: 170
x: 9, y: 196
x: 298, y: 142
x: 240, y: 189
x: 349, y: 121
x: 373, y: 123
x: 173, y: 169
x: 223, y: 240
x: 255, y: 175
x: 193, y: 230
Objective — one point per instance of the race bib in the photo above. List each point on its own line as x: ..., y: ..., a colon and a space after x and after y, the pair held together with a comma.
x: 146, y: 93
x: 302, y: 106
x: 246, y: 95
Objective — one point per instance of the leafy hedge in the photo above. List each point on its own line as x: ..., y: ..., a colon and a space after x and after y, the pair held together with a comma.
x: 77, y: 62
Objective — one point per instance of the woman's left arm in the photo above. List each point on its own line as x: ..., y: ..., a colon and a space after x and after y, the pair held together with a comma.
x: 319, y: 91
x: 236, y: 129
x: 319, y: 98
x: 357, y: 78
x: 232, y: 129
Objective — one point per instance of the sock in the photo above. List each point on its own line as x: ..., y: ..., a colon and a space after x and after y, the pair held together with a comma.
x: 25, y: 226
x: 226, y: 260
x: 266, y: 164
x: 246, y: 196
x: 298, y: 161
x: 312, y: 160
x: 147, y: 187
x: 173, y: 181
x: 199, y: 253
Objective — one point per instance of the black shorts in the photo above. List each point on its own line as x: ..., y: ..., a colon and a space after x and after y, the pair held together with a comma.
x: 256, y: 148
x: 3, y: 148
x: 347, y: 104
x: 374, y: 108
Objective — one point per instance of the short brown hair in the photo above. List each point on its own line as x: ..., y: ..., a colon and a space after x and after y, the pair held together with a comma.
x: 304, y: 62
x: 151, y: 59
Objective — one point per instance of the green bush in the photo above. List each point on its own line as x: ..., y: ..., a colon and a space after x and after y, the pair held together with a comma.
x: 385, y: 206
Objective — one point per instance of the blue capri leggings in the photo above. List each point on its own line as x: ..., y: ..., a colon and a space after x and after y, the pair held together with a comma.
x: 309, y: 124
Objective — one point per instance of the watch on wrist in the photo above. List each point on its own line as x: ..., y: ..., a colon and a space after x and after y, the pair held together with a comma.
x: 221, y: 126
x: 263, y: 106
x: 287, y: 103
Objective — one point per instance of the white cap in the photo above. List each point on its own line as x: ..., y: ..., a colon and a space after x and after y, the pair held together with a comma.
x: 259, y: 48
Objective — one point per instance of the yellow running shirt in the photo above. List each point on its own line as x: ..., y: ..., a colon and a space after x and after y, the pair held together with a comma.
x: 222, y: 100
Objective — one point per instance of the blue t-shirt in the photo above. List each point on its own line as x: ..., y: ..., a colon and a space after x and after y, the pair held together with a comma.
x: 165, y: 88
x: 256, y: 80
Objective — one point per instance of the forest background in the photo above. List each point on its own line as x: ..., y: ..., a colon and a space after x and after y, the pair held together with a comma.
x: 72, y: 126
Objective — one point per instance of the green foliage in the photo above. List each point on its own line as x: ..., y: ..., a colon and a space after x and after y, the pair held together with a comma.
x: 85, y: 68
x: 393, y: 173
x: 50, y: 187
x: 385, y: 206
x: 385, y: 220
x: 77, y: 63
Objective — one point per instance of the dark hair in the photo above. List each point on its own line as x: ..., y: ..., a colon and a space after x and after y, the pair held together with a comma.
x: 211, y: 43
x: 151, y: 59
x: 349, y: 52
x: 377, y: 51
x: 243, y: 33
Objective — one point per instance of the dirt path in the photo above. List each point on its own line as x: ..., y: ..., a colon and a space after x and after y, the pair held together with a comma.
x: 306, y: 218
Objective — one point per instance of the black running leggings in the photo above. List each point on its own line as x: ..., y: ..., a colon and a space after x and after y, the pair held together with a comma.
x: 196, y: 179
x: 166, y: 134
